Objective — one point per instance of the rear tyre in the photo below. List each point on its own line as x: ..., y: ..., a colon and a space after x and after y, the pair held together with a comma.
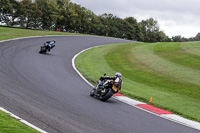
x: 108, y: 95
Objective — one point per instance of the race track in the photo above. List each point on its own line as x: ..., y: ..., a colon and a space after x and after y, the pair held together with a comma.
x: 45, y: 90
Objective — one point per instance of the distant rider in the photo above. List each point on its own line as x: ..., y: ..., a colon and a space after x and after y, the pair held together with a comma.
x: 50, y: 44
x: 117, y: 81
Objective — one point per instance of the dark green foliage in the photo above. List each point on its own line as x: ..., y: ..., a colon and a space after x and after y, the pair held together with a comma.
x: 70, y: 17
x: 8, y: 11
x: 197, y: 38
x: 151, y: 31
x: 182, y: 39
x: 49, y: 9
x: 138, y: 32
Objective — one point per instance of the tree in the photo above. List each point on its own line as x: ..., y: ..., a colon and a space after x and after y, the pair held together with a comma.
x: 5, y: 9
x: 176, y: 38
x: 27, y: 12
x: 82, y: 19
x: 72, y: 16
x: 112, y: 25
x: 138, y: 33
x: 8, y: 10
x: 92, y: 23
x: 151, y: 31
x: 143, y: 28
x: 197, y: 37
x: 49, y: 9
x: 105, y: 22
x: 62, y: 14
x: 161, y: 37
x: 35, y: 16
x: 67, y: 16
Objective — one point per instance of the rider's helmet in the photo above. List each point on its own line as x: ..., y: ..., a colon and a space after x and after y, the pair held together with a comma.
x: 118, y: 74
x: 54, y: 41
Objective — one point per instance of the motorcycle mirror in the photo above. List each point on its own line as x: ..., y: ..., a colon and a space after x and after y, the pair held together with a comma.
x: 104, y: 74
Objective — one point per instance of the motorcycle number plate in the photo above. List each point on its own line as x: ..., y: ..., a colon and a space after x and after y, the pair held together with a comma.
x: 114, y: 88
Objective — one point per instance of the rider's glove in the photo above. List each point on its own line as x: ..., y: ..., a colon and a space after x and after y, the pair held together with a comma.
x: 101, y: 78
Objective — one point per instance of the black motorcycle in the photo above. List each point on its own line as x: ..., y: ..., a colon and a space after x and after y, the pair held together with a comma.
x: 101, y: 92
x: 44, y: 48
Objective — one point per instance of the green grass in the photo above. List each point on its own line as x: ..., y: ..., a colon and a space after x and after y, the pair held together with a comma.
x: 167, y: 72
x: 10, y: 125
x: 10, y: 33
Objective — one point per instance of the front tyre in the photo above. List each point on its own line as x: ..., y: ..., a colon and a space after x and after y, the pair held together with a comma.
x: 42, y: 50
x: 108, y: 95
x: 92, y: 92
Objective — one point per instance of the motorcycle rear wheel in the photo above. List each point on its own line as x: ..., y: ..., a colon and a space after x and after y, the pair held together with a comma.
x: 108, y: 95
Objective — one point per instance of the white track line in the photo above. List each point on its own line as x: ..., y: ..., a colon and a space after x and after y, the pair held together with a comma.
x: 23, y: 121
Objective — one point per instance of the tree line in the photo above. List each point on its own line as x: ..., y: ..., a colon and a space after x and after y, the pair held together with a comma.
x: 70, y: 17
x: 183, y: 39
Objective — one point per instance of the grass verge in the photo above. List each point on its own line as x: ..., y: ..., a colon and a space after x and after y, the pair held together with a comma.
x: 167, y: 72
x: 10, y: 125
x: 10, y: 33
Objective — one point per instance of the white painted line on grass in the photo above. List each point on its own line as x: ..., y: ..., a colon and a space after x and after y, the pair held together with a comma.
x: 128, y: 100
x: 183, y: 121
x: 23, y: 121
x: 74, y: 66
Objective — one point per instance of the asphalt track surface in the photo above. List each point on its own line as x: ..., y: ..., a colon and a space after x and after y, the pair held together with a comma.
x: 45, y: 90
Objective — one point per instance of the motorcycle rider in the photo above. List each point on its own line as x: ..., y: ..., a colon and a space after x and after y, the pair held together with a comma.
x: 50, y: 44
x: 117, y: 81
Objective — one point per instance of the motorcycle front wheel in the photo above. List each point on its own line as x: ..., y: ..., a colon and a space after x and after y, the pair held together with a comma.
x: 42, y: 50
x: 92, y: 92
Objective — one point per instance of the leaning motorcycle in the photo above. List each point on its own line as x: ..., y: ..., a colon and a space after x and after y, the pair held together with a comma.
x: 104, y: 93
